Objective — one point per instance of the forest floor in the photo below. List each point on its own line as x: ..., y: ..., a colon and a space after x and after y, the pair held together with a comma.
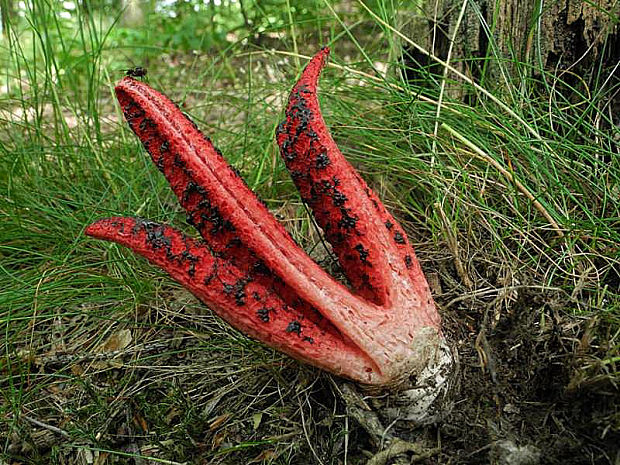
x: 106, y: 360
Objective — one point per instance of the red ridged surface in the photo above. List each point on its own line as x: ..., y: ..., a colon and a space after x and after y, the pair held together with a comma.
x: 196, y: 172
x: 369, y: 243
x: 224, y: 210
x: 245, y: 303
x: 251, y: 272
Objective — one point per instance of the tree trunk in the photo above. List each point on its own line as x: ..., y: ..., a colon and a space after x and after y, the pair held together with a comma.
x: 7, y: 11
x: 559, y: 35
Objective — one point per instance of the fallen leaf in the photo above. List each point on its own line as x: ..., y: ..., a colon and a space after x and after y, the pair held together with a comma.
x: 266, y: 455
x: 218, y: 421
x: 257, y: 418
x: 117, y: 341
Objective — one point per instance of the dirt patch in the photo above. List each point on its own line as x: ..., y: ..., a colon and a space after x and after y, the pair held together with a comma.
x: 515, y: 390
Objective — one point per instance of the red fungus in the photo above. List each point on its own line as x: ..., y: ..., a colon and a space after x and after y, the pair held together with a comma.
x: 251, y: 272
x: 372, y: 248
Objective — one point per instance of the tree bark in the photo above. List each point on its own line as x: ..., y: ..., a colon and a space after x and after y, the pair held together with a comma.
x: 7, y: 11
x: 559, y: 35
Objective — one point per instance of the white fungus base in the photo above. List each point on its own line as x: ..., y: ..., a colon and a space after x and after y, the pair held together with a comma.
x: 426, y: 403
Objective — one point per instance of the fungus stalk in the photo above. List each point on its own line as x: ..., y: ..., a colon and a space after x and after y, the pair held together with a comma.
x: 384, y: 332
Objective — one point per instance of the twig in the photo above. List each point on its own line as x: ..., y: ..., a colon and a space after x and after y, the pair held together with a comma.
x: 453, y: 245
x: 46, y: 426
x: 359, y: 410
x: 490, y: 291
x: 303, y: 424
x: 398, y: 447
x: 101, y: 356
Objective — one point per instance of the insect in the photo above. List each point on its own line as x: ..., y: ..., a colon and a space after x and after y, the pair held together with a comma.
x: 137, y: 72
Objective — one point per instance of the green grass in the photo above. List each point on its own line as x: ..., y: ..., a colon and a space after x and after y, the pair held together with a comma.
x: 462, y: 188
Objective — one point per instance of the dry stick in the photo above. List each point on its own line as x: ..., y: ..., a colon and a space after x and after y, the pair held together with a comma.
x: 303, y: 424
x: 46, y: 426
x: 346, y: 438
x: 129, y: 454
x: 401, y: 447
x: 365, y: 416
x: 511, y: 178
x: 443, y: 81
x: 489, y: 291
x: 100, y: 356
